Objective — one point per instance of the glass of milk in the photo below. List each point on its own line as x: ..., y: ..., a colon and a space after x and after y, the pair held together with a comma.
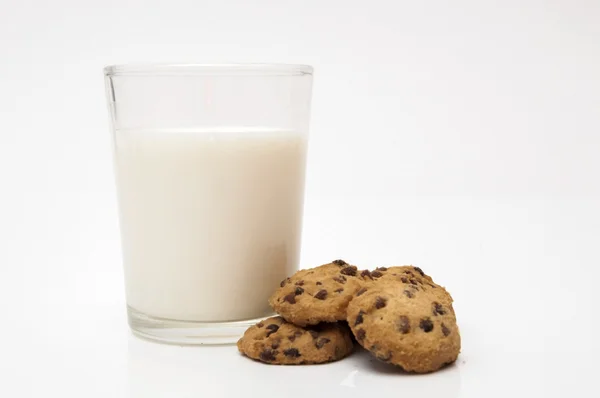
x: 210, y: 163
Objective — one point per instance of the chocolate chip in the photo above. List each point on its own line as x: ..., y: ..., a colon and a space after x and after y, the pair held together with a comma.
x: 385, y: 358
x: 445, y: 330
x: 292, y: 353
x: 339, y: 290
x: 359, y: 318
x: 321, y: 342
x: 438, y: 309
x: 433, y: 286
x: 290, y: 298
x: 272, y: 328
x: 413, y: 282
x: 295, y: 335
x: 403, y: 279
x: 409, y: 294
x: 361, y: 291
x: 380, y: 302
x: 321, y: 294
x: 283, y: 282
x: 300, y: 283
x: 313, y: 333
x: 403, y: 324
x: 409, y: 273
x: 268, y: 354
x: 275, y: 345
x: 351, y: 270
x: 381, y: 269
x: 360, y: 334
x: 366, y: 274
x: 340, y: 279
x: 339, y: 262
x: 426, y: 325
x: 319, y: 283
x: 419, y: 270
x: 376, y: 274
x: 260, y: 325
x: 337, y: 352
x: 298, y: 291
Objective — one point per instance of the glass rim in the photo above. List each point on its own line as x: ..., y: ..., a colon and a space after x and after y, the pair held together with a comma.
x: 232, y: 69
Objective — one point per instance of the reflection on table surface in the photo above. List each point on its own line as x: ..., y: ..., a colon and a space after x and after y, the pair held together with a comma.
x: 166, y: 371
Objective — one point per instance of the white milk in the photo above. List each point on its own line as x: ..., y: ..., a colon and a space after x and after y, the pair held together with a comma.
x: 210, y: 220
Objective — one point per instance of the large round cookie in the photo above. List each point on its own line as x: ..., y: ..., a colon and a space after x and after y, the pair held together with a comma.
x: 276, y: 341
x: 410, y: 328
x: 318, y: 294
x: 409, y: 276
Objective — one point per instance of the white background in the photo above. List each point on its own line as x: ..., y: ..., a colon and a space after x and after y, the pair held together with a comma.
x: 461, y: 136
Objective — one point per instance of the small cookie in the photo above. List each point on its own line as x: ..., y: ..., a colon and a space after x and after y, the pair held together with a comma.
x: 411, y: 277
x: 276, y: 341
x: 411, y: 329
x: 318, y: 294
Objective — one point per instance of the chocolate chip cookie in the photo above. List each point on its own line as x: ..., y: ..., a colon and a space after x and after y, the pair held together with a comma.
x: 276, y: 341
x: 318, y: 294
x: 412, y: 278
x: 412, y: 328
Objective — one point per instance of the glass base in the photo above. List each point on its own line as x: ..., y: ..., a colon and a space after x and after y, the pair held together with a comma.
x: 171, y: 331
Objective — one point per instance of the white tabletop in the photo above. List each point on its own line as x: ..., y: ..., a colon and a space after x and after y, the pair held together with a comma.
x: 522, y: 272
x: 461, y: 136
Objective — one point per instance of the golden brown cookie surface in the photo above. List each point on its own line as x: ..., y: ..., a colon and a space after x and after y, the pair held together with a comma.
x: 318, y: 294
x: 413, y: 329
x: 411, y: 278
x: 276, y: 341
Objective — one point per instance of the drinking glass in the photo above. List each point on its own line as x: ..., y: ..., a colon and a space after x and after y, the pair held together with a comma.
x: 209, y: 164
